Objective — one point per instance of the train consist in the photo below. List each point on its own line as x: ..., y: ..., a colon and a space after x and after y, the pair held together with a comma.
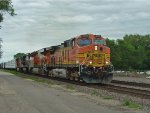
x: 85, y: 57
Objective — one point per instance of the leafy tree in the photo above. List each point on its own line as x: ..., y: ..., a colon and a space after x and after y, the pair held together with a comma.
x: 6, y: 7
x: 131, y: 52
x: 19, y: 55
x: 115, y: 55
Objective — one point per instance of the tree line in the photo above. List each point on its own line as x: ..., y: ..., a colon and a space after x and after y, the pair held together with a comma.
x: 130, y: 53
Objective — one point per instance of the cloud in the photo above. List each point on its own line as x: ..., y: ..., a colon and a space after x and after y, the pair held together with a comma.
x: 42, y: 23
x: 74, y: 19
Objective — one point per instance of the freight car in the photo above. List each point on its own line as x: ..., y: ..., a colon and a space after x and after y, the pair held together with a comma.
x: 85, y: 57
x: 9, y: 65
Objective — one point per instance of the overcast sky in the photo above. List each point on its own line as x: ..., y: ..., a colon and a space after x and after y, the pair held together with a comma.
x: 42, y: 23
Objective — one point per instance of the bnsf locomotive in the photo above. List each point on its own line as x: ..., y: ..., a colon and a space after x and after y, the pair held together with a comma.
x: 85, y: 57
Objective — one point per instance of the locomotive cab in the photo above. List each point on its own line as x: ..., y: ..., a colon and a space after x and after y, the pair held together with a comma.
x: 94, y: 59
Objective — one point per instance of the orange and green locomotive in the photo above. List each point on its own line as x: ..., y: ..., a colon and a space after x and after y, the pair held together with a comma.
x: 85, y: 57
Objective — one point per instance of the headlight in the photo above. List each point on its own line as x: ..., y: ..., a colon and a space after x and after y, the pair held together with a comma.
x: 107, y: 62
x: 96, y: 48
x: 77, y: 61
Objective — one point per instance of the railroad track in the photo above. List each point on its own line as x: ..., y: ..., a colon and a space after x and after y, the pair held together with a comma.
x: 112, y: 87
x: 144, y: 94
x: 117, y: 88
x: 136, y: 84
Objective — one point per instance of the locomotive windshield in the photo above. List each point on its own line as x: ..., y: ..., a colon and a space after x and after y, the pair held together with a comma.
x: 99, y: 41
x: 84, y: 41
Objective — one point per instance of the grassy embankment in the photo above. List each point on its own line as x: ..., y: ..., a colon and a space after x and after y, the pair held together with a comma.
x: 28, y: 76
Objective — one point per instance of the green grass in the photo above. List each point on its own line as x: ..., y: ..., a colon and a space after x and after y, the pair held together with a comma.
x: 10, y: 71
x: 94, y: 93
x: 131, y: 104
x: 70, y: 87
x: 26, y: 76
x: 108, y: 97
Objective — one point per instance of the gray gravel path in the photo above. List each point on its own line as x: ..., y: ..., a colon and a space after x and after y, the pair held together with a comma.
x: 18, y: 95
x: 133, y: 79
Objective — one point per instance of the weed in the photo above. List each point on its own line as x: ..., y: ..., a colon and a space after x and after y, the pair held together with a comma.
x: 71, y: 87
x: 108, y: 97
x: 94, y: 93
x: 131, y: 104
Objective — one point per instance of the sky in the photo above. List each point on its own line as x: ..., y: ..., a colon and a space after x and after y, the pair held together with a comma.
x: 43, y: 23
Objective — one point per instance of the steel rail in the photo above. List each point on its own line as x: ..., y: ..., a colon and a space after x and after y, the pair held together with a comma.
x: 137, y: 84
x: 144, y: 94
